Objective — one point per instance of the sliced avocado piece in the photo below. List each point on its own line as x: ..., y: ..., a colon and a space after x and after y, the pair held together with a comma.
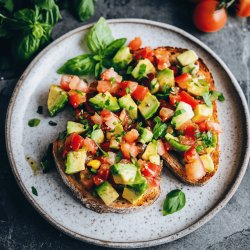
x: 174, y: 142
x: 154, y: 86
x: 190, y: 68
x: 128, y: 103
x: 207, y: 162
x: 107, y: 193
x: 202, y: 112
x: 104, y: 101
x: 57, y: 99
x: 165, y: 78
x: 98, y: 136
x: 151, y: 150
x: 122, y: 58
x: 130, y: 195
x: 198, y: 88
x: 141, y: 71
x: 75, y: 127
x: 75, y: 161
x: 123, y: 173
x: 182, y: 114
x: 149, y: 106
x: 187, y: 57
x: 145, y: 135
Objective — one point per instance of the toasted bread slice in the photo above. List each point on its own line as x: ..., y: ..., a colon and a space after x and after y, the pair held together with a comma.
x: 92, y: 202
x: 170, y: 160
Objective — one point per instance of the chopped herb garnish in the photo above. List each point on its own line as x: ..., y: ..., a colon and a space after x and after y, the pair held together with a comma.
x: 199, y: 148
x: 96, y: 126
x: 179, y: 112
x: 104, y: 153
x: 107, y: 102
x: 47, y: 162
x: 142, y: 71
x: 118, y: 156
x: 131, y: 108
x: 129, y: 70
x: 40, y: 110
x: 79, y: 92
x: 51, y: 123
x: 127, y: 89
x: 93, y: 171
x: 112, y: 80
x: 206, y: 98
x: 134, y: 161
x: 34, y: 191
x: 34, y: 122
x: 160, y: 128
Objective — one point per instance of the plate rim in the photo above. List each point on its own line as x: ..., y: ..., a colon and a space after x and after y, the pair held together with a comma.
x: 146, y: 243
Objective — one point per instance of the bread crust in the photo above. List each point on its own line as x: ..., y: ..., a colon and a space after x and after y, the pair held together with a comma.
x: 92, y: 202
x: 172, y: 162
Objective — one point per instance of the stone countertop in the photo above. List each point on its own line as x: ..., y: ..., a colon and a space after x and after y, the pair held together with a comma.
x: 21, y: 227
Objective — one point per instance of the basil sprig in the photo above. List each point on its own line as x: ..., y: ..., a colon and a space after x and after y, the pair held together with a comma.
x: 102, y: 46
x: 175, y: 201
x: 83, y: 9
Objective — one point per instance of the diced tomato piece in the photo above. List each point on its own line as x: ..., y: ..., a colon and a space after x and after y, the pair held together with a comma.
x: 187, y: 98
x: 187, y: 140
x: 161, y: 148
x: 80, y: 85
x: 123, y: 117
x: 103, y: 86
x: 167, y: 146
x: 189, y: 128
x: 110, y: 159
x: 140, y: 92
x: 110, y: 119
x: 174, y: 98
x: 166, y: 114
x: 97, y: 119
x: 90, y: 145
x: 183, y: 80
x: 131, y: 136
x: 65, y: 80
x: 151, y: 170
x: 86, y: 180
x: 195, y: 170
x: 191, y: 155
x: 135, y: 43
x: 104, y: 171
x: 110, y: 74
x: 209, y: 125
x: 129, y: 149
x: 97, y: 180
x: 73, y: 142
x: 175, y: 69
x: 162, y: 58
x: 69, y: 82
x: 146, y: 52
x: 127, y: 85
x: 76, y: 98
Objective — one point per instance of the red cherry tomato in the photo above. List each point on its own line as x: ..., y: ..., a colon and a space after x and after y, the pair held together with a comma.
x: 187, y: 98
x: 140, y: 92
x: 135, y: 43
x: 207, y: 18
x: 73, y: 142
x: 76, y: 98
x: 243, y: 8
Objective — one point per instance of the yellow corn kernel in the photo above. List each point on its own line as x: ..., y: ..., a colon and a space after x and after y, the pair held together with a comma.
x: 95, y: 164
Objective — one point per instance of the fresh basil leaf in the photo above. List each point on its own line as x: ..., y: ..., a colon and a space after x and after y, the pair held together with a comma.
x: 99, y: 37
x: 98, y: 69
x: 113, y: 47
x: 34, y: 191
x: 206, y: 98
x: 175, y: 201
x: 80, y: 65
x: 7, y: 5
x: 83, y: 9
x: 34, y: 122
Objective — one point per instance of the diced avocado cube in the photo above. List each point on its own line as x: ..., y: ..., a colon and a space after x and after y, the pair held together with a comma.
x: 75, y: 161
x: 187, y: 57
x: 190, y: 68
x: 130, y: 195
x: 145, y: 135
x: 75, y: 127
x: 104, y: 101
x: 198, y: 88
x: 98, y: 136
x: 155, y: 159
x: 207, y: 162
x: 128, y: 103
x: 174, y: 142
x: 117, y: 131
x: 165, y: 78
x: 202, y: 112
x: 182, y: 114
x: 122, y: 58
x: 107, y: 193
x: 57, y: 99
x: 151, y: 150
x: 154, y: 86
x: 149, y: 68
x: 123, y: 173
x: 149, y: 106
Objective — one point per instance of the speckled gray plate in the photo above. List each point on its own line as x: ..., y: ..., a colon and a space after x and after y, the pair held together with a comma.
x: 148, y: 227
